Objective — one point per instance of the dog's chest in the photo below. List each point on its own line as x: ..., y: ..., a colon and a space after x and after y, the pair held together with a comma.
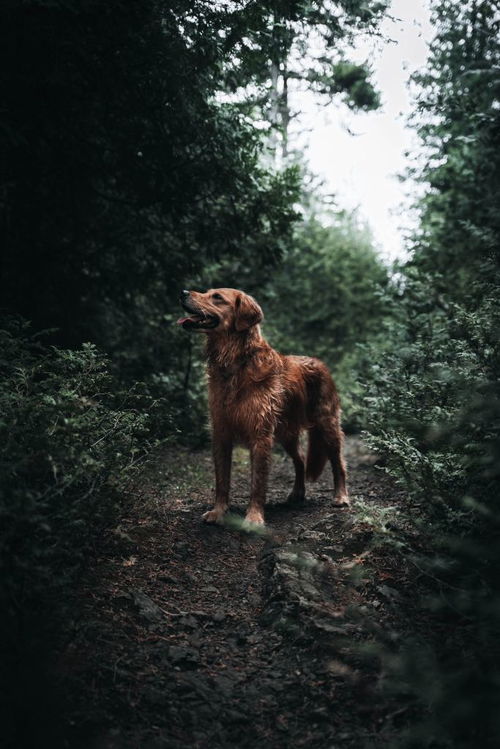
x: 230, y: 386
x: 241, y: 402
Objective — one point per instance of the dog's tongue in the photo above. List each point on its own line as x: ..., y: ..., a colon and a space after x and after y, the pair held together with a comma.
x: 182, y: 320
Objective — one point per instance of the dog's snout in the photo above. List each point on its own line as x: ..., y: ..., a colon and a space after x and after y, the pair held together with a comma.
x: 184, y: 294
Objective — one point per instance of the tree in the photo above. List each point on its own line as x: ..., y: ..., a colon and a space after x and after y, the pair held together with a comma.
x: 123, y: 176
x: 458, y: 120
x: 327, y: 300
x: 290, y: 45
x: 433, y: 399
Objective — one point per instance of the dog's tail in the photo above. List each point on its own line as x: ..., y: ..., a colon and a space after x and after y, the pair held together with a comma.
x: 316, y: 454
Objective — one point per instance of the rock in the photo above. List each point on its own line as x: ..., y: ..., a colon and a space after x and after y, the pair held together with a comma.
x: 180, y: 654
x: 295, y: 601
x: 148, y: 609
x: 188, y: 621
x: 388, y: 593
x: 311, y: 535
x: 224, y: 684
x: 167, y: 578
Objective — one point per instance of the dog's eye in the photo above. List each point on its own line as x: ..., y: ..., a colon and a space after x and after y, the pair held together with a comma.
x: 218, y: 297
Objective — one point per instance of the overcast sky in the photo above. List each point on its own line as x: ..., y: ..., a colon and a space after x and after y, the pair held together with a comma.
x: 361, y: 169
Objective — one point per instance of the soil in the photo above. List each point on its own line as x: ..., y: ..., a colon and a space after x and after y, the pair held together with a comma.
x: 207, y: 636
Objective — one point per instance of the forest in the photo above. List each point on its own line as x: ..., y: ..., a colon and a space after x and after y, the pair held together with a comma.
x: 146, y: 147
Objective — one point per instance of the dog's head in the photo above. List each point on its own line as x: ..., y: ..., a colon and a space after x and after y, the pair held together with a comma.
x: 219, y: 310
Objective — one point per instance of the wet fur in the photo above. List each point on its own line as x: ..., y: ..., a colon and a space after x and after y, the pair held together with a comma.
x: 258, y: 396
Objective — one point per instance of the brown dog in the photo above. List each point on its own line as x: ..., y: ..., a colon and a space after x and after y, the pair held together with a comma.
x: 257, y: 396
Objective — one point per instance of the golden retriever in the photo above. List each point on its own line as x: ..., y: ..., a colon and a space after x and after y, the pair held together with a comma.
x: 258, y: 396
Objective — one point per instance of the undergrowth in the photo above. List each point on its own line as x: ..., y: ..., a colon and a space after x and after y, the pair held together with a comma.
x: 70, y: 440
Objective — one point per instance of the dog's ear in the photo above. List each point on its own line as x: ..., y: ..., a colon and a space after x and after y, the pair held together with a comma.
x: 247, y: 311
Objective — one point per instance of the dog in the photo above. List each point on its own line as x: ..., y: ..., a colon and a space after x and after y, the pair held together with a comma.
x: 258, y: 396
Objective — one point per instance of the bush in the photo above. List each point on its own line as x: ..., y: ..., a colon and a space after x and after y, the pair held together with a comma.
x: 68, y: 441
x: 433, y: 410
x: 431, y: 403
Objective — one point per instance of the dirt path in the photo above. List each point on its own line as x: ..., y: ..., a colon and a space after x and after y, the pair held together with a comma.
x: 199, y: 636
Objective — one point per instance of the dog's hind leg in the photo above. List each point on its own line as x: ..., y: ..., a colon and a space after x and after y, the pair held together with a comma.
x: 334, y: 442
x: 291, y: 445
x: 222, y: 453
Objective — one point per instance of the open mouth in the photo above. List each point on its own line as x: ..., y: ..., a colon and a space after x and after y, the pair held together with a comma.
x: 197, y: 320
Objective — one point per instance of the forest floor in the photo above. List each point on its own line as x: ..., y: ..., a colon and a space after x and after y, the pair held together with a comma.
x: 191, y: 635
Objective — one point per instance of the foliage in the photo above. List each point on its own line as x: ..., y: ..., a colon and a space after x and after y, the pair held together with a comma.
x: 458, y: 122
x: 433, y: 410
x: 65, y: 433
x: 283, y: 32
x: 326, y: 300
x: 433, y: 397
x: 430, y: 385
x: 128, y: 177
x: 123, y: 176
x: 291, y: 46
x: 68, y: 440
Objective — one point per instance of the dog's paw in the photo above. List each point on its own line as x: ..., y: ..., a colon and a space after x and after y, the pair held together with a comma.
x: 214, y: 516
x: 254, y: 517
x: 341, y: 501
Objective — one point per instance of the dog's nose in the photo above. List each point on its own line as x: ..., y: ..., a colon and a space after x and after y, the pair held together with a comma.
x: 184, y: 294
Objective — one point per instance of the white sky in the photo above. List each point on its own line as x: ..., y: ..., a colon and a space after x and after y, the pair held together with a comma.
x: 361, y: 169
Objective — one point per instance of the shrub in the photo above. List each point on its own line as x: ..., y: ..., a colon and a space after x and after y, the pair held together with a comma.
x: 433, y: 410
x: 68, y: 441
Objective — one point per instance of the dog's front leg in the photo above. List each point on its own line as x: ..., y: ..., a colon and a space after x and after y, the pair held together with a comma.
x: 260, y: 455
x: 222, y: 453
